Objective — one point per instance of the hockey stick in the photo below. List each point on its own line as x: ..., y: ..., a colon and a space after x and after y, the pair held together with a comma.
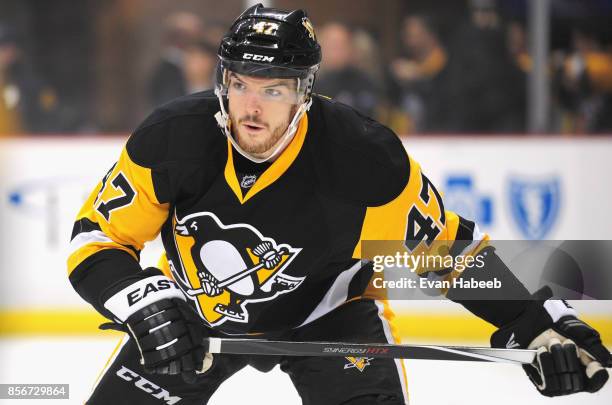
x: 415, y: 352
x: 239, y: 276
x: 224, y: 283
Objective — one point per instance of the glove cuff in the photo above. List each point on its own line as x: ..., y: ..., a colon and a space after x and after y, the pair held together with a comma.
x: 558, y: 309
x: 140, y: 293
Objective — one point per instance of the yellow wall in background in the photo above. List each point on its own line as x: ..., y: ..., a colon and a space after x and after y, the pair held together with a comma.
x: 413, y: 326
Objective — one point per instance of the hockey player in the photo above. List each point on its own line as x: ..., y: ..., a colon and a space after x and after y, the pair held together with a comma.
x: 262, y: 193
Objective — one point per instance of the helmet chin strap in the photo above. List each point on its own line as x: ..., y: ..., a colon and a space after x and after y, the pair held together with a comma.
x: 223, y: 121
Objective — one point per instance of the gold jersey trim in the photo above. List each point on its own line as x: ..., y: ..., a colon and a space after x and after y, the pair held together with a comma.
x: 128, y: 225
x: 273, y: 173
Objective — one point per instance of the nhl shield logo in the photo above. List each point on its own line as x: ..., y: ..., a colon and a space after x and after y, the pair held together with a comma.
x: 248, y: 181
x: 535, y: 205
x: 223, y: 268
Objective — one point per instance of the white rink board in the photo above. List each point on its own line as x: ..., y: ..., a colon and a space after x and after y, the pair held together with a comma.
x: 51, y: 177
x: 581, y: 166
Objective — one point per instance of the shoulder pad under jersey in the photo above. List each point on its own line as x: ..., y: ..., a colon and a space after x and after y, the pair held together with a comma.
x: 183, y: 128
x: 180, y: 141
x: 356, y: 158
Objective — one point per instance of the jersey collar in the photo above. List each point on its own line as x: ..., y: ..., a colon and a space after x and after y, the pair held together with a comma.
x: 272, y: 173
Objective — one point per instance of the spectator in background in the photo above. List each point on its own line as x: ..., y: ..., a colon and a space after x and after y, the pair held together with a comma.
x: 26, y: 104
x: 419, y: 76
x: 516, y: 38
x: 368, y: 59
x: 584, y: 80
x: 367, y: 56
x: 487, y: 89
x: 339, y: 77
x: 199, y: 65
x: 214, y: 31
x: 182, y: 29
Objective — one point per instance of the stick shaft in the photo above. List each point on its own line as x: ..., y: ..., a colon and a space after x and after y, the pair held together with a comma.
x: 416, y: 352
x: 239, y: 276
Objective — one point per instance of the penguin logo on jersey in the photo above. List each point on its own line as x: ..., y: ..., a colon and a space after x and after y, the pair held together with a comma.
x: 224, y: 268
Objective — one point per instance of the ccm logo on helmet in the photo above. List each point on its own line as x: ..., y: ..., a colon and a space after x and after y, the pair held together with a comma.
x: 261, y: 58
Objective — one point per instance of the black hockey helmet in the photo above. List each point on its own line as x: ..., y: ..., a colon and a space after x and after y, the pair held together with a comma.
x: 271, y: 43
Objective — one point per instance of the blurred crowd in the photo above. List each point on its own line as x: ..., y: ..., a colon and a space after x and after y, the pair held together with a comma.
x: 26, y: 103
x: 471, y: 79
x: 188, y: 59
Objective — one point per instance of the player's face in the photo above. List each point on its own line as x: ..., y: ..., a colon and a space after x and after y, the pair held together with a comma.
x: 260, y: 110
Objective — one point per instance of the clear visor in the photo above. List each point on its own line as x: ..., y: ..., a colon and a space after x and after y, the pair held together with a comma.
x: 266, y: 83
x: 238, y: 82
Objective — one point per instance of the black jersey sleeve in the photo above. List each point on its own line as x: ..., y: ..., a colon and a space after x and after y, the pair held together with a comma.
x: 363, y: 162
x: 125, y: 210
x: 130, y: 204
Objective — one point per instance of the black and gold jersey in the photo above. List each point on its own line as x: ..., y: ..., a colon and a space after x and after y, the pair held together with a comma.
x: 258, y: 249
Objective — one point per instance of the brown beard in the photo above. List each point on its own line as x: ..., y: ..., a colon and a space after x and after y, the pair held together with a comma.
x: 260, y: 148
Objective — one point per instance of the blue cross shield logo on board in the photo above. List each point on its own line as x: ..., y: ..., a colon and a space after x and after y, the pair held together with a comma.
x: 535, y: 205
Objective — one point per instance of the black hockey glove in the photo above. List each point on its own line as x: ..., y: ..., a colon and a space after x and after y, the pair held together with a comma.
x: 166, y: 329
x: 570, y: 355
